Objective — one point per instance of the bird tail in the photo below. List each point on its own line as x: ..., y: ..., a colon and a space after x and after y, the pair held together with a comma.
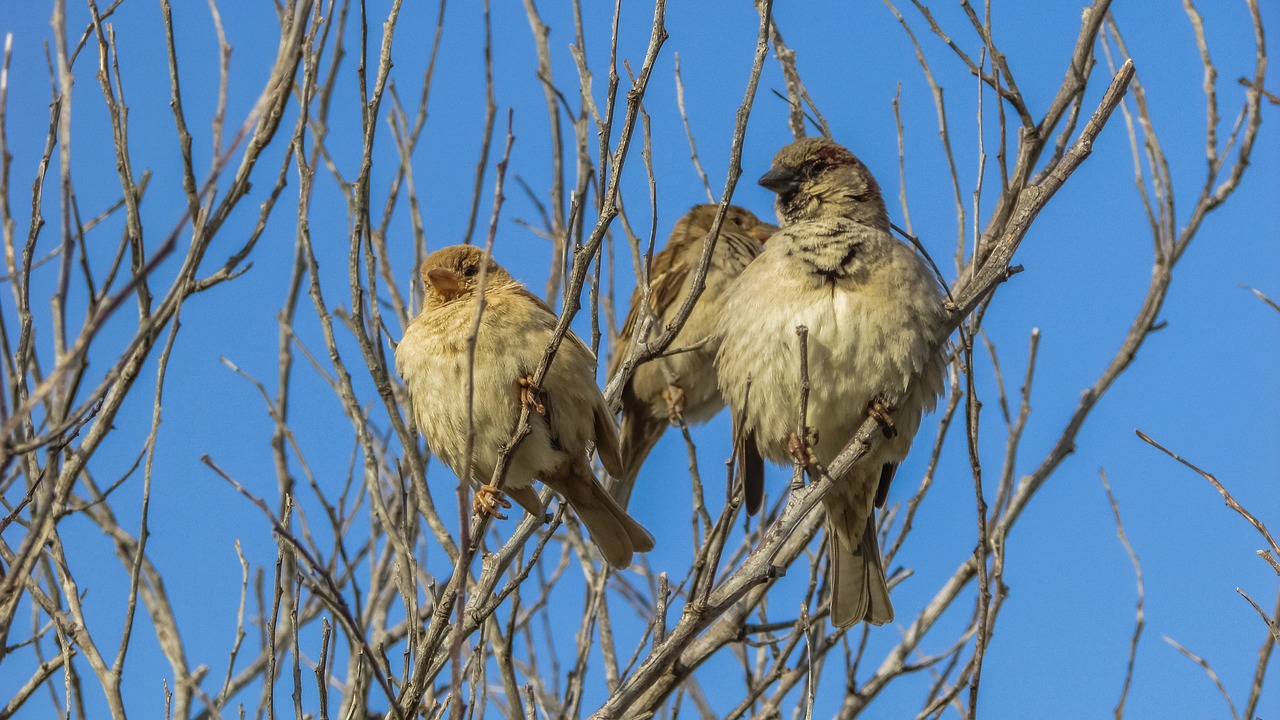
x: 615, y: 532
x: 858, y: 587
x: 638, y: 433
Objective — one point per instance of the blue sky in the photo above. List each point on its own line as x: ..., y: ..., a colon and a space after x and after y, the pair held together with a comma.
x: 1205, y: 386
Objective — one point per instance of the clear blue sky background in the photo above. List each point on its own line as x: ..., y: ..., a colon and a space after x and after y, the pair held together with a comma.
x: 1205, y: 386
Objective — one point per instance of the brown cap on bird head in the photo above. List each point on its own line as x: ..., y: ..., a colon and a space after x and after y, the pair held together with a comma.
x: 453, y: 272
x: 816, y: 177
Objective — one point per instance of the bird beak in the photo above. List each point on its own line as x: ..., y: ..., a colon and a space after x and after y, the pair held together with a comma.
x: 780, y: 180
x: 763, y: 232
x: 445, y: 282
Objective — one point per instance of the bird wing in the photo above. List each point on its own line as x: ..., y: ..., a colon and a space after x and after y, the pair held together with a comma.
x: 667, y: 275
x: 750, y: 467
x: 527, y: 498
x: 607, y: 444
x: 886, y: 479
x: 606, y: 432
x: 553, y: 320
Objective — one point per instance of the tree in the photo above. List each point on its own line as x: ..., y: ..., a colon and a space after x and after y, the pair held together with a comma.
x: 402, y: 605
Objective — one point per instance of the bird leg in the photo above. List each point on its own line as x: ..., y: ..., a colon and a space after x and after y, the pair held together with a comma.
x: 801, y: 448
x: 529, y: 392
x: 674, y: 395
x: 882, y: 411
x: 489, y: 501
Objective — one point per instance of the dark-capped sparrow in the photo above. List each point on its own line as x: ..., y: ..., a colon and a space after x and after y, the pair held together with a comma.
x: 568, y: 411
x: 683, y: 384
x: 873, y: 311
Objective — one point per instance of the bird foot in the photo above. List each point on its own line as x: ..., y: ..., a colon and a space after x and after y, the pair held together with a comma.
x: 489, y: 500
x: 529, y: 392
x: 674, y: 395
x: 882, y: 411
x: 801, y: 448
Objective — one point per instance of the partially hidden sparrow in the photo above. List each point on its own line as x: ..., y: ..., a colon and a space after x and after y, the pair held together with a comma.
x: 873, y: 311
x: 567, y: 410
x: 681, y: 384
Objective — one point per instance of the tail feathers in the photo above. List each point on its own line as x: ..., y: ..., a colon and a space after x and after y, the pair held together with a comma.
x: 879, y: 609
x: 858, y: 587
x: 615, y: 532
x: 638, y: 434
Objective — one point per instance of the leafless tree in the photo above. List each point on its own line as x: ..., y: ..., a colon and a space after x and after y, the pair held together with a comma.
x: 398, y: 603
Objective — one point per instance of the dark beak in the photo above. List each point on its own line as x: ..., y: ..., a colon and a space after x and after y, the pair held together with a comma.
x: 445, y: 282
x: 780, y: 180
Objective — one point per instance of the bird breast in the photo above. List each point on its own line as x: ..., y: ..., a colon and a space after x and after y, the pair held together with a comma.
x: 869, y: 333
x: 433, y: 360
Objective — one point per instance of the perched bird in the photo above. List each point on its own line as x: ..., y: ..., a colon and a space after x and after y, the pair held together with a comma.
x: 873, y: 310
x: 681, y: 385
x: 568, y: 411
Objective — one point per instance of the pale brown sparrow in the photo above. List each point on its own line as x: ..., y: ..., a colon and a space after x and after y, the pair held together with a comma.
x: 681, y: 384
x: 568, y: 411
x: 873, y: 311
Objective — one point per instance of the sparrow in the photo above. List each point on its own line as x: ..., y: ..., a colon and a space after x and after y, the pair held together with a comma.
x: 567, y: 410
x: 873, y: 311
x: 681, y: 384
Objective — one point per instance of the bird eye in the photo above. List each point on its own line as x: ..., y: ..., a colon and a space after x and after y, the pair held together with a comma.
x: 471, y: 271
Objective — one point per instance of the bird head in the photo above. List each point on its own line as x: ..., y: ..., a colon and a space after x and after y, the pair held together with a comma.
x: 454, y: 272
x: 736, y: 220
x: 816, y: 178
